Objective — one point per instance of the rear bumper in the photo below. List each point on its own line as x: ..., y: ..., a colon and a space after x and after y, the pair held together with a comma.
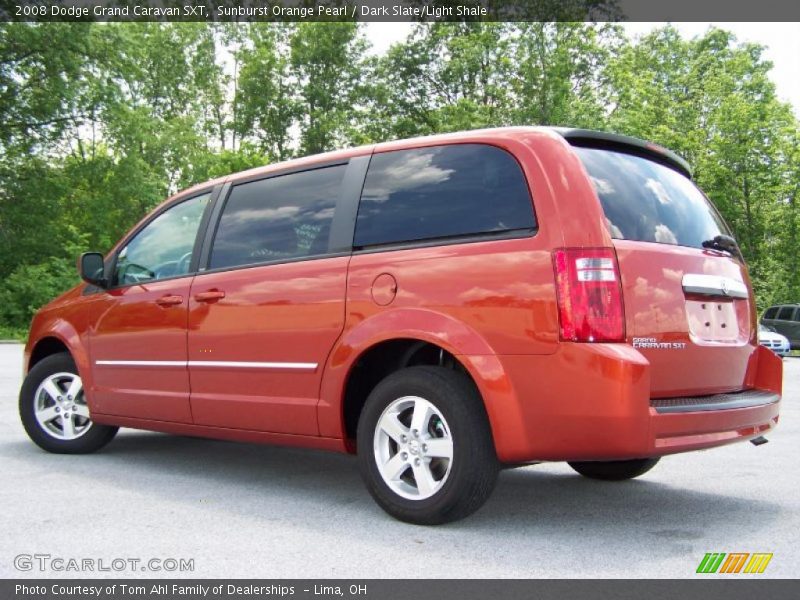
x: 688, y: 404
x: 681, y: 432
x: 592, y: 402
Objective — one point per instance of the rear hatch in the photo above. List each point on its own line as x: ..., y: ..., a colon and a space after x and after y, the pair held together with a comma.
x: 688, y: 309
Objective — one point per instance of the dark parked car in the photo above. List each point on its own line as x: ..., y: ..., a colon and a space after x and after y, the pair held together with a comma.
x: 785, y: 319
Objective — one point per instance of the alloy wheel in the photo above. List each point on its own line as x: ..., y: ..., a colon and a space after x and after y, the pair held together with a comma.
x: 60, y: 407
x: 413, y: 448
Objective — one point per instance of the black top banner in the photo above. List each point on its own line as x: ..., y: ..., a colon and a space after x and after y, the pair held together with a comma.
x: 398, y: 10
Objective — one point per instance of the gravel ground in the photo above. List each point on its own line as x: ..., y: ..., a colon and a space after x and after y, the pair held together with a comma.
x: 254, y: 511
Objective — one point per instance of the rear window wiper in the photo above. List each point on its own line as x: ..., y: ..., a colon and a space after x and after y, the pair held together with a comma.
x: 725, y: 243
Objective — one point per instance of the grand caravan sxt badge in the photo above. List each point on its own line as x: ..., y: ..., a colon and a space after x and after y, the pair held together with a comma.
x: 653, y: 343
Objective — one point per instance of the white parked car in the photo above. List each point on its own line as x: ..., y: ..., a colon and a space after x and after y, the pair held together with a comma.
x: 773, y: 340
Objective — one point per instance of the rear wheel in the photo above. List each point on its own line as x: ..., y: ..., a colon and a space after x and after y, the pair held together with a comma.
x: 424, y: 446
x: 54, y: 412
x: 615, y: 470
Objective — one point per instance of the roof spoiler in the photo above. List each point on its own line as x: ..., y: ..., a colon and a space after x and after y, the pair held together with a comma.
x: 624, y: 143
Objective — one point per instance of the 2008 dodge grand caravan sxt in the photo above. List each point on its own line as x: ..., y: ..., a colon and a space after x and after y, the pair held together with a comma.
x: 441, y: 306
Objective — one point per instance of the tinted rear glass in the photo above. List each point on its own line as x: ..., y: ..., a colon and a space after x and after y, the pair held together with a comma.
x: 649, y: 202
x: 442, y: 192
x: 786, y: 313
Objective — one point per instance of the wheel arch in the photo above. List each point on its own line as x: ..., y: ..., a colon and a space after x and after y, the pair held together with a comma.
x: 46, y: 346
x: 57, y: 336
x: 407, y: 337
x: 378, y: 362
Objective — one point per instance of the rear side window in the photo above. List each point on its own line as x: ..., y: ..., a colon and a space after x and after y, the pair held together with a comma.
x: 277, y: 219
x: 786, y: 313
x: 771, y: 312
x: 649, y: 202
x: 442, y: 192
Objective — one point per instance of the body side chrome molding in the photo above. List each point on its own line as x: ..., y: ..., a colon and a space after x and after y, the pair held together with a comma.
x: 218, y: 364
x: 141, y: 363
x: 251, y: 365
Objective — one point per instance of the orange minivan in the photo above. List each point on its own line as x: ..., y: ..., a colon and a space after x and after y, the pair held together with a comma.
x: 441, y: 307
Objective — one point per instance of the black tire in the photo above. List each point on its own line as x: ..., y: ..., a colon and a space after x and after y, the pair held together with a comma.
x: 474, y: 465
x: 615, y: 470
x: 94, y: 438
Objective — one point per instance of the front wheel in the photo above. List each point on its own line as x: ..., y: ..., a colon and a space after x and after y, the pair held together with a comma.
x: 425, y: 447
x: 614, y: 470
x: 54, y: 412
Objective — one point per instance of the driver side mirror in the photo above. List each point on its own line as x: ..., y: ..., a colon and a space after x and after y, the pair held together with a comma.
x: 92, y: 269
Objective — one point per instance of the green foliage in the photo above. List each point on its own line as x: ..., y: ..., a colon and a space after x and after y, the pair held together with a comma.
x: 446, y: 77
x: 100, y: 122
x: 29, y: 287
x: 561, y: 75
x: 327, y: 60
x: 18, y: 334
x: 43, y: 77
x: 225, y: 162
x: 265, y: 104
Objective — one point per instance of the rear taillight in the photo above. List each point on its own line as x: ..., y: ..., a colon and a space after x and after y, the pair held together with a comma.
x: 589, y: 295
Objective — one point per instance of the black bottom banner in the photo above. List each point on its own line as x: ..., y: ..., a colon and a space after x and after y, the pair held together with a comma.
x: 397, y: 589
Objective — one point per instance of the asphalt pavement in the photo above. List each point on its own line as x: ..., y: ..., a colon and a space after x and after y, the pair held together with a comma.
x: 238, y: 510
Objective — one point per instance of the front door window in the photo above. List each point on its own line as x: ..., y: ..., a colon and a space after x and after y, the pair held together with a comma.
x: 163, y: 249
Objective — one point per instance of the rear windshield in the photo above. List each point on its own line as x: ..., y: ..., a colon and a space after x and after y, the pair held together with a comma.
x: 649, y: 202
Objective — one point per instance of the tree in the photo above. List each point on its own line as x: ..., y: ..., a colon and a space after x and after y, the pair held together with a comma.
x: 43, y: 71
x: 561, y: 76
x: 329, y: 63
x: 447, y: 76
x: 266, y: 104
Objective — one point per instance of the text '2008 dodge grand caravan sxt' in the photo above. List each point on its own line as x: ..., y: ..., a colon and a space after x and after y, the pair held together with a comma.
x: 441, y: 306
